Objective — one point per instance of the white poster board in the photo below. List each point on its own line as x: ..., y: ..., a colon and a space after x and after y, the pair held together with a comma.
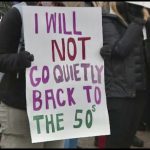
x: 65, y: 85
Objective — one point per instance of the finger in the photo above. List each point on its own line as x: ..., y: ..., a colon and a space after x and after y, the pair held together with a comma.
x: 26, y: 52
x: 31, y: 57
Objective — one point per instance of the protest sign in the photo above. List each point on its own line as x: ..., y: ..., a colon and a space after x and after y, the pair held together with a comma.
x: 65, y: 89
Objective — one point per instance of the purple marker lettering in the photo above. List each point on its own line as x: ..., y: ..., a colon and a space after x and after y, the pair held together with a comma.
x: 37, y: 80
x: 97, y: 94
x: 70, y: 97
x: 58, y: 74
x: 50, y: 21
x: 74, y: 25
x: 58, y: 97
x: 49, y: 96
x: 64, y: 26
x: 76, y: 71
x: 37, y: 101
x: 85, y: 66
x: 87, y: 89
x: 36, y: 23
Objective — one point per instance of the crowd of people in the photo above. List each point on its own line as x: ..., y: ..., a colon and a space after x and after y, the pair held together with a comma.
x: 126, y: 54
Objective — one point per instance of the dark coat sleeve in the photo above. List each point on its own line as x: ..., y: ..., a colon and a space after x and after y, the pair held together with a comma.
x: 120, y: 43
x: 10, y: 32
x: 147, y: 44
x: 147, y: 52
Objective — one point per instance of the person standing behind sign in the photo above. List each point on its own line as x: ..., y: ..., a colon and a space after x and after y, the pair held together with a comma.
x: 73, y: 143
x: 125, y: 70
x: 13, y: 115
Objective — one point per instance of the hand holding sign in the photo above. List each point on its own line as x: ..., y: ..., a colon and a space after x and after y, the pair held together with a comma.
x: 25, y: 59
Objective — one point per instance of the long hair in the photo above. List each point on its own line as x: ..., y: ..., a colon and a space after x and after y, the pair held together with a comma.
x: 122, y: 12
x: 116, y: 11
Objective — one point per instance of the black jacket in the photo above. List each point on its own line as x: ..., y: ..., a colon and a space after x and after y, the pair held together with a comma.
x: 12, y: 89
x: 125, y: 70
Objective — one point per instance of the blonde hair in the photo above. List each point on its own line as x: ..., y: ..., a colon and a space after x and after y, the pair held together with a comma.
x: 146, y: 14
x: 100, y: 4
x: 114, y: 8
x: 74, y: 4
